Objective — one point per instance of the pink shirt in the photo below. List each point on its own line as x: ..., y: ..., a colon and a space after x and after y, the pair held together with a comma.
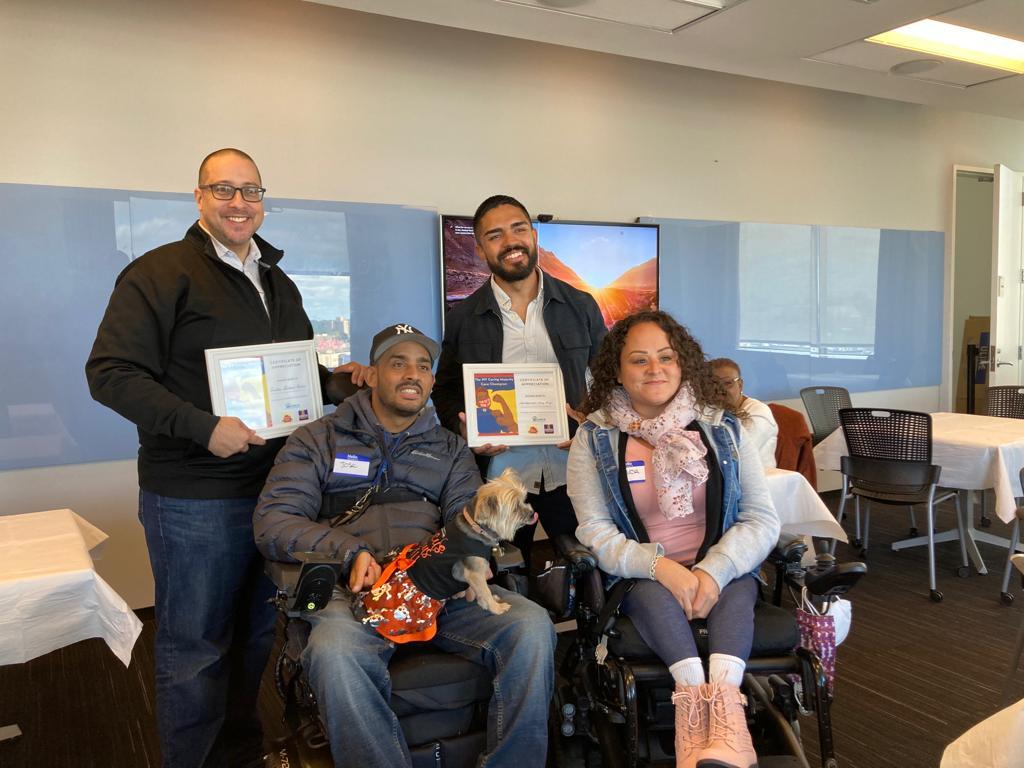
x: 681, y: 536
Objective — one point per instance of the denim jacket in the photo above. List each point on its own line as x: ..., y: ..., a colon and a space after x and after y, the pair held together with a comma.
x: 749, y: 524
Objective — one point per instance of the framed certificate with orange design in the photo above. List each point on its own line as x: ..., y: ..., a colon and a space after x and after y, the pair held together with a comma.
x: 273, y: 388
x: 514, y: 404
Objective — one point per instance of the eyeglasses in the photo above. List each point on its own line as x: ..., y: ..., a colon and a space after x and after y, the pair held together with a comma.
x: 250, y: 193
x: 728, y: 382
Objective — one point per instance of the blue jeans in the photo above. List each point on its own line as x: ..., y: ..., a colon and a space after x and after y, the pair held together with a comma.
x: 214, y: 631
x: 660, y: 620
x: 347, y: 664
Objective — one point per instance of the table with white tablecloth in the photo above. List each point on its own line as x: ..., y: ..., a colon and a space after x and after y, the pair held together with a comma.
x: 974, y: 452
x: 50, y: 594
x: 801, y: 511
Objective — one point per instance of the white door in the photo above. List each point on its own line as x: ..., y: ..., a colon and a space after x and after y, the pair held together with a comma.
x: 1007, y: 278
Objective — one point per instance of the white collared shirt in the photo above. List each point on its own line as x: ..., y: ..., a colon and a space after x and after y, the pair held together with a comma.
x: 528, y: 342
x: 250, y: 267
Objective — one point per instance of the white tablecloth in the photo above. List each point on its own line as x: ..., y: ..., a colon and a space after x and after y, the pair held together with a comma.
x: 50, y: 595
x: 975, y: 452
x: 997, y: 742
x: 800, y: 509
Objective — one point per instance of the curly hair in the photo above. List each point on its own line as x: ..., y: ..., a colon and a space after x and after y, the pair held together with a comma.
x: 695, y: 368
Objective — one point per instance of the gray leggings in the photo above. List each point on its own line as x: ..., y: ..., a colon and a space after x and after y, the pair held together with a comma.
x: 660, y: 620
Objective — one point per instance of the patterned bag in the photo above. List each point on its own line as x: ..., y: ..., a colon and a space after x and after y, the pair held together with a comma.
x: 818, y: 631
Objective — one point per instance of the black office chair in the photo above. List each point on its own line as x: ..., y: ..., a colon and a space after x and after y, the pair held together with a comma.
x: 613, y: 693
x: 890, y: 462
x: 1006, y: 402
x: 822, y: 405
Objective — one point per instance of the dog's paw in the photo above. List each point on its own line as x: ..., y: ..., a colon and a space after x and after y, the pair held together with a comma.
x: 498, y: 608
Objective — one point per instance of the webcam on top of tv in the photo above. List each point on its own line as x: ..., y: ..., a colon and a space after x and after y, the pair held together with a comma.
x: 544, y: 218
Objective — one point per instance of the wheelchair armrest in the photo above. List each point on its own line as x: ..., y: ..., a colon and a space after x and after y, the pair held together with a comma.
x: 284, y: 575
x: 307, y: 585
x: 506, y: 558
x: 827, y: 579
x: 569, y: 547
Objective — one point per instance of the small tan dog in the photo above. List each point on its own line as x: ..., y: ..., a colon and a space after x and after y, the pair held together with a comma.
x: 404, y: 602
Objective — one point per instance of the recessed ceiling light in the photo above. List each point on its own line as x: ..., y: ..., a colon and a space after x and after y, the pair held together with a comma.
x: 955, y: 42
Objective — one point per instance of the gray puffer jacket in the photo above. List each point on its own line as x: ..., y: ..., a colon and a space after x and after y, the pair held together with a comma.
x: 301, y: 492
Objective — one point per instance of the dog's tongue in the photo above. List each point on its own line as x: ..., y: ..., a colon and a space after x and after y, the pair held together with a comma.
x: 533, y: 519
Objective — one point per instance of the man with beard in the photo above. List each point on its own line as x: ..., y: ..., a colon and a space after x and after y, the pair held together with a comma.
x: 520, y: 315
x: 382, y: 451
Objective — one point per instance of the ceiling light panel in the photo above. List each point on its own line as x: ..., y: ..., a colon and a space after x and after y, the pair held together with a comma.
x: 950, y: 41
x: 895, y: 61
x: 658, y: 15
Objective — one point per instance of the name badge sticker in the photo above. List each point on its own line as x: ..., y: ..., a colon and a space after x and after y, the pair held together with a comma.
x: 636, y: 471
x: 351, y: 464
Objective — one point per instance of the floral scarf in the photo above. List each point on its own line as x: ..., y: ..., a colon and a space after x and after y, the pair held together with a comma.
x: 679, y: 453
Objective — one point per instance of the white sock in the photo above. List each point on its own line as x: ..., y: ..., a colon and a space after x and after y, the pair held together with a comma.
x: 688, y: 672
x: 723, y: 668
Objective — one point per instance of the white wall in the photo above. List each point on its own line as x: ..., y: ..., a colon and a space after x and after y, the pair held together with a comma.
x: 346, y: 106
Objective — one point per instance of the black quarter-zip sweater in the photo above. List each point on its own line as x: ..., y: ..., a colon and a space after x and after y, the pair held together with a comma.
x: 148, y: 361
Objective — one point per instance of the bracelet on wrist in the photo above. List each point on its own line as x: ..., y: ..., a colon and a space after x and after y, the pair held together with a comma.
x: 654, y: 566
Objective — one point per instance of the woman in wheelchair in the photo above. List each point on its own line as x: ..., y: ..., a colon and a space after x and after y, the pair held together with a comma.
x: 668, y: 493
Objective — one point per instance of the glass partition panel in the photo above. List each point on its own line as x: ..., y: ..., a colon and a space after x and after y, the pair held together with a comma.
x: 801, y: 305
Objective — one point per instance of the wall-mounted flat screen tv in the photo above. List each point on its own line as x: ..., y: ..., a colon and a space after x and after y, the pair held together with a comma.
x: 616, y: 263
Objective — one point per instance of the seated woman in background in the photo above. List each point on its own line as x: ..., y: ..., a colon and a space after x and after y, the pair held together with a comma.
x: 756, y: 417
x: 667, y: 492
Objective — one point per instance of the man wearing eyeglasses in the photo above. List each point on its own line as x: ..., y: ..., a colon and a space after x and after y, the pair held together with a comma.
x: 199, y: 474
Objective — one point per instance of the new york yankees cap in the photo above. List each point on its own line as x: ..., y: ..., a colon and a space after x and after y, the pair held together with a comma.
x: 396, y: 334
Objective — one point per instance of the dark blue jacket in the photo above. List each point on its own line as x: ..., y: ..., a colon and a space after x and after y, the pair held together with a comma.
x: 426, y: 460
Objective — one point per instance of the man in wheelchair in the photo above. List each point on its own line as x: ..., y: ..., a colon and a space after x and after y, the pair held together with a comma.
x: 377, y: 474
x: 673, y: 505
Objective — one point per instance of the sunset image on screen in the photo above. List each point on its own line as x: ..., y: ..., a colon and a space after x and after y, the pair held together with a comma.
x: 617, y: 264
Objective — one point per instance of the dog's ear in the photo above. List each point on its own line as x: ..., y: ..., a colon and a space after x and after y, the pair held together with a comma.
x: 487, y: 507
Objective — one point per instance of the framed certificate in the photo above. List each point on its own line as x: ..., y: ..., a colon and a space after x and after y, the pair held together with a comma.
x: 515, y: 404
x: 273, y: 388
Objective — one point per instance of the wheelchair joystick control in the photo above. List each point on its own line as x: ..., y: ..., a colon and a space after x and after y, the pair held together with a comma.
x: 315, y: 583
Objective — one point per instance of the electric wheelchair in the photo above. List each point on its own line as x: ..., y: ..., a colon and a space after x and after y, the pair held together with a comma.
x: 613, y: 705
x: 440, y: 699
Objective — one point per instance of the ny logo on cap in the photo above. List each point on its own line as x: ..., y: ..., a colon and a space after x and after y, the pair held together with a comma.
x: 403, y: 328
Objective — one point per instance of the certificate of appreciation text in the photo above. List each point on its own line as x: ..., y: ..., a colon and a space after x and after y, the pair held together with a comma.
x: 273, y: 388
x: 514, y: 404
